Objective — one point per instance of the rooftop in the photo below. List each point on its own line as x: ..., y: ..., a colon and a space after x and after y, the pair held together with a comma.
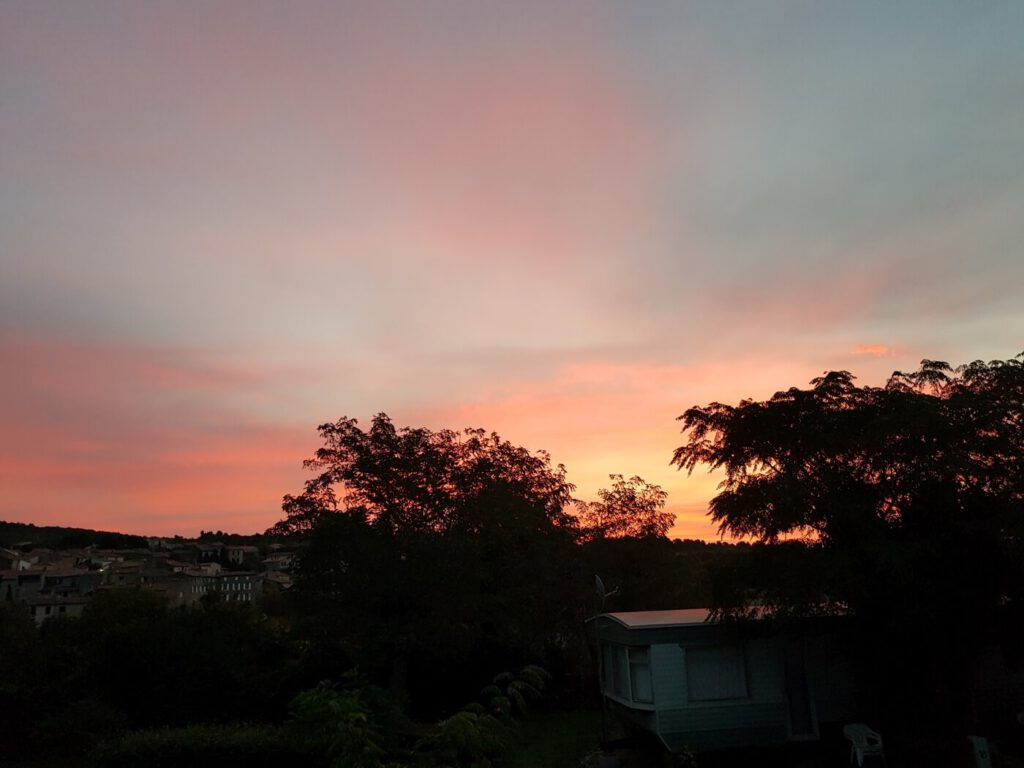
x: 648, y: 619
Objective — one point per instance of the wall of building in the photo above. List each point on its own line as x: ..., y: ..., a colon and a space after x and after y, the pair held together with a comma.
x: 759, y: 717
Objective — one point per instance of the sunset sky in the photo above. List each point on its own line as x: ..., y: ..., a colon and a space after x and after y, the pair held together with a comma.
x: 224, y: 223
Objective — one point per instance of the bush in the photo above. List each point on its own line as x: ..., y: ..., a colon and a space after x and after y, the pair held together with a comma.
x: 80, y: 726
x: 466, y: 739
x: 343, y: 722
x: 208, y: 746
x: 510, y: 693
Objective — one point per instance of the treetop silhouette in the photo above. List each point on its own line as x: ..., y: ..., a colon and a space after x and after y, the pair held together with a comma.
x: 932, y: 448
x: 633, y: 508
x: 419, y: 479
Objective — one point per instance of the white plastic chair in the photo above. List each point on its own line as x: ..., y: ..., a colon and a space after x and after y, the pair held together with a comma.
x: 864, y: 743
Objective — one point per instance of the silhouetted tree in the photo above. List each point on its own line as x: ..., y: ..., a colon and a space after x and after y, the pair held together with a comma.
x: 420, y: 479
x: 431, y: 556
x: 934, y: 455
x: 630, y: 507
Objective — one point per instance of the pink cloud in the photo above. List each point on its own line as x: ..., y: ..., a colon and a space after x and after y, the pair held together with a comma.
x: 145, y: 440
x: 538, y: 147
x: 874, y: 350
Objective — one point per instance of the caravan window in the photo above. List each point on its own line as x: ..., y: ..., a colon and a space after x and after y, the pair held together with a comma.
x: 627, y: 672
x: 713, y: 674
x: 640, y: 674
x: 619, y: 672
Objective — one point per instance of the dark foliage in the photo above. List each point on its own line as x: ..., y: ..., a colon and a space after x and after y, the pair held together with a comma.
x: 211, y: 746
x: 429, y: 613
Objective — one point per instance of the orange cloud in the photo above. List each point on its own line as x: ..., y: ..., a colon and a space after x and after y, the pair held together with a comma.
x: 144, y: 440
x: 874, y: 350
x: 235, y: 486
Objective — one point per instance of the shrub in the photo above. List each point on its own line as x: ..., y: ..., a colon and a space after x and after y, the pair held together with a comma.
x: 80, y: 726
x: 466, y: 739
x: 208, y: 746
x: 342, y: 723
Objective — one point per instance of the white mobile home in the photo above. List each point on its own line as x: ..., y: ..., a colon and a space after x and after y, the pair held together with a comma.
x: 703, y: 685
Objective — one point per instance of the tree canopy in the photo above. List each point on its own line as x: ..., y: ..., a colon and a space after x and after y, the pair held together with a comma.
x: 929, y: 449
x: 630, y: 507
x: 419, y: 479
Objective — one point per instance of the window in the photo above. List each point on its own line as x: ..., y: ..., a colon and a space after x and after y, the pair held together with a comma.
x: 627, y: 672
x: 615, y: 671
x: 716, y: 674
x: 640, y: 674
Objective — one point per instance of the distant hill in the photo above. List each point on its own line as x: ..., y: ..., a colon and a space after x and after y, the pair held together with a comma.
x: 56, y: 537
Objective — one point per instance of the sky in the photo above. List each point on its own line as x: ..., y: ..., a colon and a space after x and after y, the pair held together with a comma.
x: 224, y: 223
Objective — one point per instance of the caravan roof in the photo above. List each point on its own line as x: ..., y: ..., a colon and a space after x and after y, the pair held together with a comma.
x: 683, y: 617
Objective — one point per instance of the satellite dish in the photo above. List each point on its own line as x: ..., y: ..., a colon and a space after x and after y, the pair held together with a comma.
x: 601, y: 591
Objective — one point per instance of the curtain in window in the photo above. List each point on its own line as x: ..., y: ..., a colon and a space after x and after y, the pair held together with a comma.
x: 716, y: 673
x: 640, y: 674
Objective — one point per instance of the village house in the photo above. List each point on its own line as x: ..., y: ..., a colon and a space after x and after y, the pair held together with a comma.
x: 279, y: 561
x: 11, y: 560
x: 43, y: 607
x: 229, y: 586
x: 49, y: 591
x: 237, y: 553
